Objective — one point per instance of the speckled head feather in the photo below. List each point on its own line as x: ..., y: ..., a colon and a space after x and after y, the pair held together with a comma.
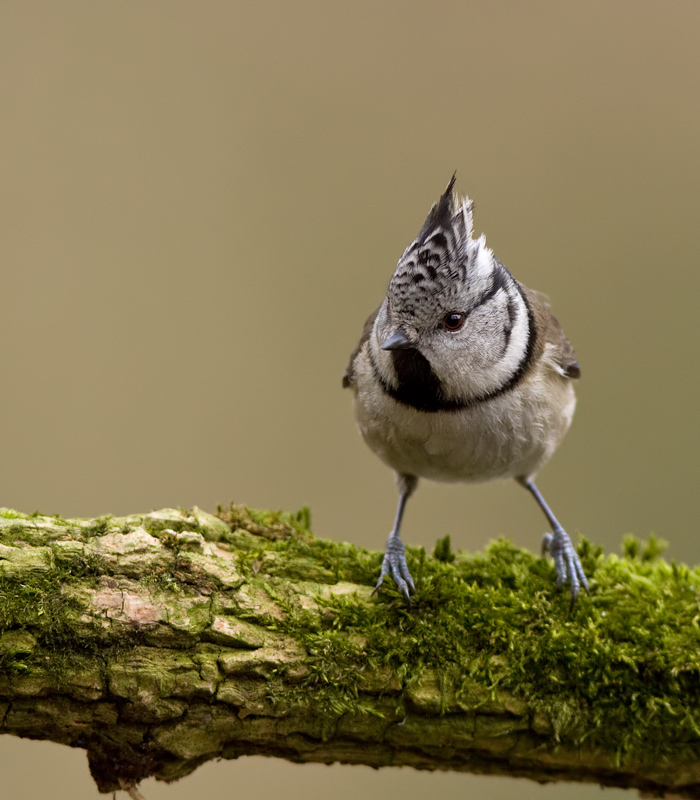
x: 437, y: 259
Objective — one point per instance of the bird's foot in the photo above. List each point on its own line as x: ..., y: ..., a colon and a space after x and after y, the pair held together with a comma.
x: 566, y: 561
x: 394, y: 564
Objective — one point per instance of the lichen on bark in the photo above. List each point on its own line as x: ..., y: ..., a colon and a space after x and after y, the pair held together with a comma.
x: 160, y: 641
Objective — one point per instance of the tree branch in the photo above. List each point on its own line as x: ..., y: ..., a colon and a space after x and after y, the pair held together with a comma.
x: 160, y: 641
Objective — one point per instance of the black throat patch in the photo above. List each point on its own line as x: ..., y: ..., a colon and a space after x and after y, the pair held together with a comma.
x: 418, y: 386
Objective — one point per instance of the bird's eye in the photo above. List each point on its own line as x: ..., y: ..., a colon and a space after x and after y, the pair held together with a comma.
x: 453, y: 321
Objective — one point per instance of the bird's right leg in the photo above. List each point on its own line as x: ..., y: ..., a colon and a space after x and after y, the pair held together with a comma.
x: 566, y: 560
x: 395, y: 556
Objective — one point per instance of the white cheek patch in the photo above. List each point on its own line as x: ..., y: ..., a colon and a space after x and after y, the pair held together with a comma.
x: 493, y: 355
x: 517, y: 343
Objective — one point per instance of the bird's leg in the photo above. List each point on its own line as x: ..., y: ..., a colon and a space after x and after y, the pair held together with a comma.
x: 559, y: 546
x: 395, y: 556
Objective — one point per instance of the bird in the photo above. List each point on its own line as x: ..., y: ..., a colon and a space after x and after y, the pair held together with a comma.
x: 463, y: 374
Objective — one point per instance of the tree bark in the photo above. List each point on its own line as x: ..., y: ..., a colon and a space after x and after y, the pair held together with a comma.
x: 160, y: 641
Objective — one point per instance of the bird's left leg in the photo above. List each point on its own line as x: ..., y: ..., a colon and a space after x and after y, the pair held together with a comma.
x: 394, y: 562
x: 559, y: 546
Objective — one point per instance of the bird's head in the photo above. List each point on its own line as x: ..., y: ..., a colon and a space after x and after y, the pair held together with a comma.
x: 451, y: 311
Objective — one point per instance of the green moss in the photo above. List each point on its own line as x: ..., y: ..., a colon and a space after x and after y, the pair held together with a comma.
x: 621, y: 670
x: 267, y: 524
x: 40, y: 607
x: 38, y: 603
x: 156, y: 527
x: 10, y: 513
x: 97, y: 527
x: 646, y: 551
x: 443, y: 550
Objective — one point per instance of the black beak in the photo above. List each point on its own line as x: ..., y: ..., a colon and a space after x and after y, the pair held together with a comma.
x: 397, y: 341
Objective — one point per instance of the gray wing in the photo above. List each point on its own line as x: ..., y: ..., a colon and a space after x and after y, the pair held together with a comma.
x: 349, y: 376
x: 567, y: 358
x: 549, y: 331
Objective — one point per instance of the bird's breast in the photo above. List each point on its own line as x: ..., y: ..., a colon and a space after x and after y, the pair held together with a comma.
x: 508, y: 436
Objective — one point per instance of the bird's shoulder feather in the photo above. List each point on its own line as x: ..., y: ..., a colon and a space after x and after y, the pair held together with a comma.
x: 349, y: 375
x: 551, y: 336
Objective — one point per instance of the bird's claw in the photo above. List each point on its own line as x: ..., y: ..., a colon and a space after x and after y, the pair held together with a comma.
x: 394, y: 564
x: 566, y: 561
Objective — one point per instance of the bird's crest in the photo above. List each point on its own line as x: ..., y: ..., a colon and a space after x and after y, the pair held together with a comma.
x: 440, y: 254
x: 450, y: 213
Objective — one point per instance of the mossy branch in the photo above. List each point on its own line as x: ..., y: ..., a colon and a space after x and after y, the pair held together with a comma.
x: 160, y: 641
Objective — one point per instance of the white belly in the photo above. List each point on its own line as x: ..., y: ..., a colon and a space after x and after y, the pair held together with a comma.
x: 512, y: 435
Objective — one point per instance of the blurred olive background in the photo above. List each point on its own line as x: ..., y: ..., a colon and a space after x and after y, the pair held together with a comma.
x: 200, y: 204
